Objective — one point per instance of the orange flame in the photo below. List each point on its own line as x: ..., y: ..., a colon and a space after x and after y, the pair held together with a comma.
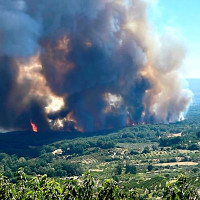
x: 34, y: 127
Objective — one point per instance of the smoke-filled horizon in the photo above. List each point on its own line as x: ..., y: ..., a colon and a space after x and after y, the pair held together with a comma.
x: 86, y: 66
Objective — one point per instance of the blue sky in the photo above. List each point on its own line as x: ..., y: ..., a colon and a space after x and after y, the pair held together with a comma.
x: 183, y: 18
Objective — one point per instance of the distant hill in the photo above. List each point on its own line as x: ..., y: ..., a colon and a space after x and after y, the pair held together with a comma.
x: 194, y: 86
x: 25, y: 143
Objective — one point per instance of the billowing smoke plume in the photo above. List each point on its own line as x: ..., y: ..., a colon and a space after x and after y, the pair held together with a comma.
x: 86, y: 65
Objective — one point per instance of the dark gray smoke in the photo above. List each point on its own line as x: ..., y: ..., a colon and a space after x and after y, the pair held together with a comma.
x: 86, y: 65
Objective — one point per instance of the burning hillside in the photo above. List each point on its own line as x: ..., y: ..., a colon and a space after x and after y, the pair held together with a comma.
x: 86, y: 65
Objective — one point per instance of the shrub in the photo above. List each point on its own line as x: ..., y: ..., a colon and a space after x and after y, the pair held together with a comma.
x: 150, y: 167
x: 131, y: 169
x: 146, y: 150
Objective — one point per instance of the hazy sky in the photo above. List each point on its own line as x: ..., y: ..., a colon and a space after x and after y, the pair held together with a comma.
x: 182, y: 18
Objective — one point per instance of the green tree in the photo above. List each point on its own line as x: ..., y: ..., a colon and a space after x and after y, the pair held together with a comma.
x: 150, y: 167
x: 181, y: 189
x: 118, y: 169
x: 146, y: 150
x: 130, y: 169
x: 154, y: 147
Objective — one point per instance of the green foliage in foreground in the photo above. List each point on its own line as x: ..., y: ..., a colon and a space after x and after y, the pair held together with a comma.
x: 180, y: 189
x: 42, y: 188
